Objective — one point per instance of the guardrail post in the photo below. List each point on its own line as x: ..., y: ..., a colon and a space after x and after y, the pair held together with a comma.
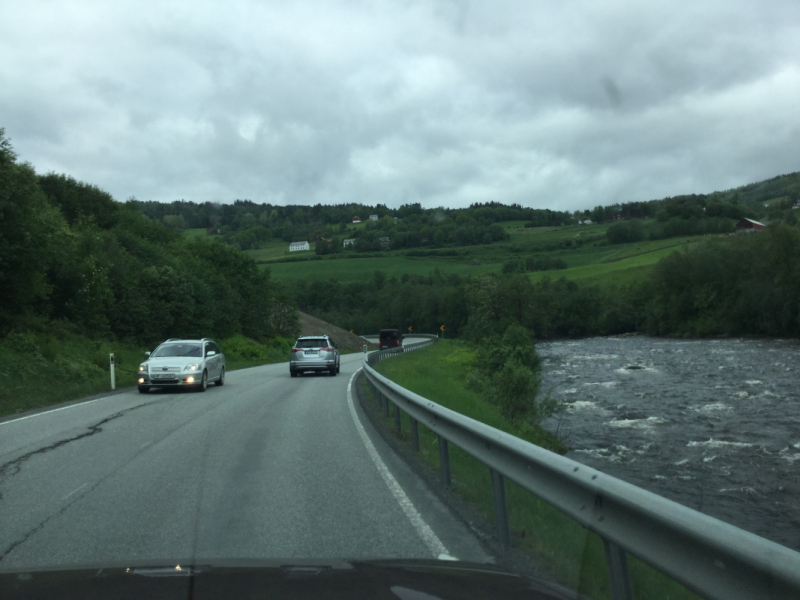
x: 398, y: 424
x: 444, y: 460
x: 414, y: 434
x: 618, y: 576
x: 501, y: 508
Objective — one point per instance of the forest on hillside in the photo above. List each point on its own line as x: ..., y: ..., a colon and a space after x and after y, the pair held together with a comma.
x: 248, y: 225
x: 70, y: 253
x: 741, y: 285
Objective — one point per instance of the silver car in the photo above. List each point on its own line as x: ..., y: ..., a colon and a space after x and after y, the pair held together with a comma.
x: 314, y: 353
x: 182, y: 363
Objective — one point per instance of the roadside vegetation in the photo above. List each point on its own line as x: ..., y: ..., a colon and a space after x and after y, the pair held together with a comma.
x: 740, y: 285
x: 445, y: 373
x: 82, y: 275
x: 58, y: 364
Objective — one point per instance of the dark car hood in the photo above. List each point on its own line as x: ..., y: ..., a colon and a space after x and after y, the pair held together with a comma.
x: 279, y: 579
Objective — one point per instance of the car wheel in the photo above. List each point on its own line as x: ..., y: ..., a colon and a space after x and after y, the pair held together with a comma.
x: 221, y: 380
x: 143, y: 389
x: 203, y: 382
x: 293, y: 373
x: 333, y: 372
x: 338, y: 368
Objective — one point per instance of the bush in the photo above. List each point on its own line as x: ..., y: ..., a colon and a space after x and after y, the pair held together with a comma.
x: 625, y: 232
x: 512, y: 369
x: 514, y: 389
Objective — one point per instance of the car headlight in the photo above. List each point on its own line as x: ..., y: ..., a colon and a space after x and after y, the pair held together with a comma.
x: 142, y: 367
x: 194, y: 367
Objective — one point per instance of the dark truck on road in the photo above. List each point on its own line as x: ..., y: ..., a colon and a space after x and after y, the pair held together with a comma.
x: 391, y: 338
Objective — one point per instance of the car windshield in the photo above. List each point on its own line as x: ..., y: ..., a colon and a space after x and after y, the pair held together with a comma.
x: 168, y: 350
x: 311, y: 344
x: 555, y: 247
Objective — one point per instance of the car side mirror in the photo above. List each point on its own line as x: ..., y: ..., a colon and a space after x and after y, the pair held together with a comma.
x: 210, y: 353
x: 147, y: 354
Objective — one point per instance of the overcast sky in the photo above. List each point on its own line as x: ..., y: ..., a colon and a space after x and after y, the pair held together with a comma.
x: 562, y: 104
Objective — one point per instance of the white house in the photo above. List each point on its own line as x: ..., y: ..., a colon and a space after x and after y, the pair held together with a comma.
x: 373, y: 217
x: 584, y: 221
x: 298, y: 246
x: 349, y: 242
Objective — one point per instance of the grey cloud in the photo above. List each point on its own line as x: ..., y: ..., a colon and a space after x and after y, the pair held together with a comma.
x: 549, y: 104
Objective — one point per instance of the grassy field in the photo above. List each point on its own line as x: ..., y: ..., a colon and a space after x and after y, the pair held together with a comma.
x: 590, y: 259
x: 275, y: 249
x: 58, y: 365
x: 574, y: 555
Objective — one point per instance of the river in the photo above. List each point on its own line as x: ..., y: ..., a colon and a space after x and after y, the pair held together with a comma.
x: 711, y: 424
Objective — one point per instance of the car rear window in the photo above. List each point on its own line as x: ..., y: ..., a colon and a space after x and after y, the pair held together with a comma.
x: 391, y: 334
x: 321, y: 343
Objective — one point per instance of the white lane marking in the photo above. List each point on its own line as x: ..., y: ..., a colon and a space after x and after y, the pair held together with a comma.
x: 55, y: 410
x: 145, y: 445
x: 73, y: 491
x: 424, y: 531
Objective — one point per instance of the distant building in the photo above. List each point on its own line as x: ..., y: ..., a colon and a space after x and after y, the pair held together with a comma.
x: 349, y: 242
x: 299, y: 246
x: 373, y: 217
x: 584, y: 221
x: 356, y: 220
x: 749, y: 225
x: 384, y: 242
x: 617, y: 218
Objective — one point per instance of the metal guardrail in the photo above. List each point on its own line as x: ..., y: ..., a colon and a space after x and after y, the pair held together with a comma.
x: 375, y: 357
x: 708, y: 556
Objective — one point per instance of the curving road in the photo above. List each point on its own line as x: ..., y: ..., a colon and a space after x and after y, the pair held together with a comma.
x: 265, y: 467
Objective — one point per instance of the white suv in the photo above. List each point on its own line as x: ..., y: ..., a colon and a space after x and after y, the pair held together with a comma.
x: 179, y: 363
x: 314, y: 353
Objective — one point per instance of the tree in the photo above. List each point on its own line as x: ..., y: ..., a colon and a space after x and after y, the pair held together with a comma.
x: 31, y: 234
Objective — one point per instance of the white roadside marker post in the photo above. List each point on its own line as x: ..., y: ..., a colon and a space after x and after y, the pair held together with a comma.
x: 113, y: 383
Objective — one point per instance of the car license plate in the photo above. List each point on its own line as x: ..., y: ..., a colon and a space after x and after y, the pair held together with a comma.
x: 164, y: 376
x: 312, y: 351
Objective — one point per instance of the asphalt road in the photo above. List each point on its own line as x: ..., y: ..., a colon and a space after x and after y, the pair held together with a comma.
x: 267, y: 466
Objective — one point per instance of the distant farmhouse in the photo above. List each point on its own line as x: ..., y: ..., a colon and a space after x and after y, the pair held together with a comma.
x: 749, y: 226
x: 584, y: 221
x: 373, y: 217
x: 356, y: 220
x: 349, y: 242
x: 298, y: 246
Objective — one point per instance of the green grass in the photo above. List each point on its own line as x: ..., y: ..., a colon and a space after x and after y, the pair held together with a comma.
x: 39, y: 369
x: 574, y: 555
x: 193, y: 233
x: 590, y: 259
x: 358, y: 269
x: 617, y: 265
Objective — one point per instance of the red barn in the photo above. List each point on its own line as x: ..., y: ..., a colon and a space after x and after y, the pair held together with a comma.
x: 749, y: 224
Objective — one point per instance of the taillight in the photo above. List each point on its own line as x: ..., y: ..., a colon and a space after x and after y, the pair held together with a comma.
x: 327, y: 349
x: 295, y: 349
